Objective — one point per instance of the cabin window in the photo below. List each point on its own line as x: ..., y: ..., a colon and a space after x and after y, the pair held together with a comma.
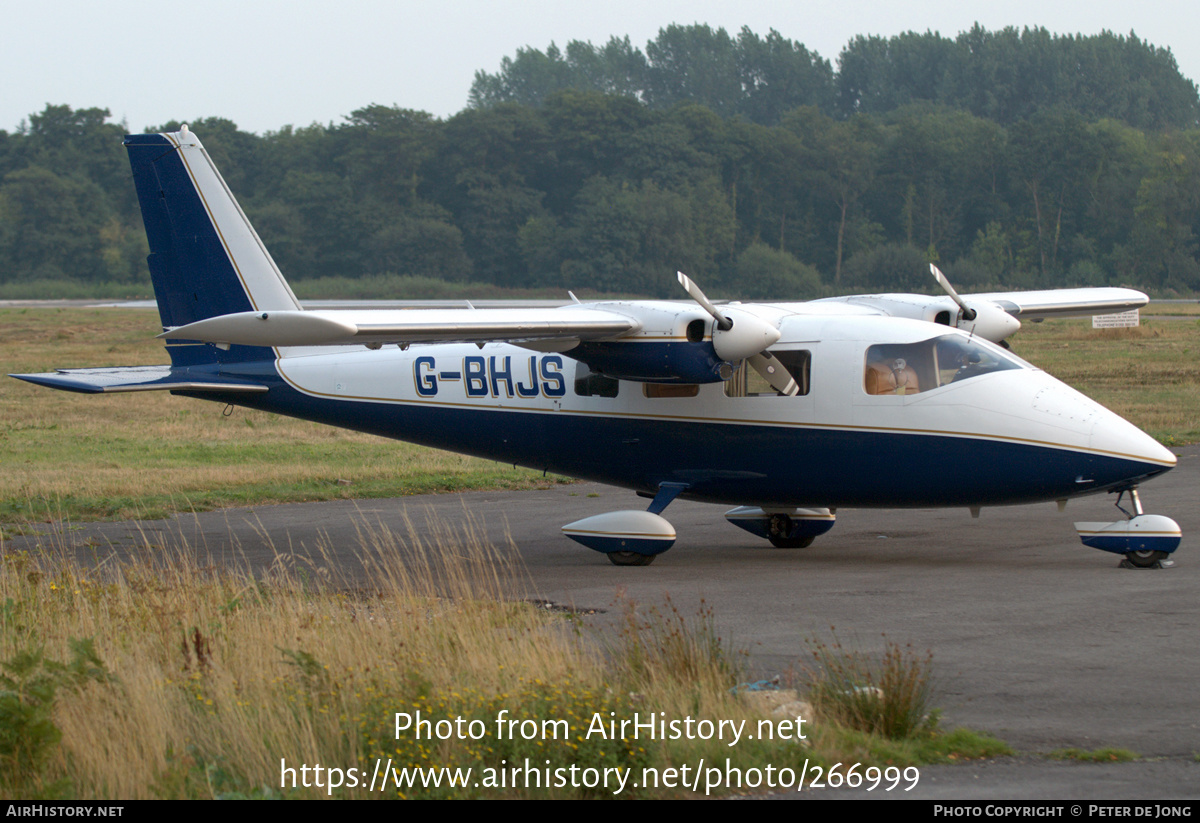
x: 911, y: 368
x: 747, y: 382
x: 592, y: 384
x: 670, y: 389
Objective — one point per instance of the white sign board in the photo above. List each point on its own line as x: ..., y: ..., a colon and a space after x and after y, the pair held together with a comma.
x: 1116, y: 321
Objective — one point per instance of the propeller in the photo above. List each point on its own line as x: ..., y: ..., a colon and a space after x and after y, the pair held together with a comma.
x: 723, y: 322
x: 987, y: 319
x: 740, y: 335
x: 781, y: 380
x: 967, y: 312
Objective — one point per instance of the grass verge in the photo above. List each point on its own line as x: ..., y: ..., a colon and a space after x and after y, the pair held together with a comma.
x: 1149, y: 374
x: 163, y: 675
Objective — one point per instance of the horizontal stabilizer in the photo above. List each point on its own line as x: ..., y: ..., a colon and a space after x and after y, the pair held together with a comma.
x: 138, y: 378
x: 333, y: 328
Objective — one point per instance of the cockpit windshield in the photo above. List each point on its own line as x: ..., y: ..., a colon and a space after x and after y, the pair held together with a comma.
x: 910, y: 368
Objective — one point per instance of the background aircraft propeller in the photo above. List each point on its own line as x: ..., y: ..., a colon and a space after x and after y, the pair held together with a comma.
x: 965, y: 311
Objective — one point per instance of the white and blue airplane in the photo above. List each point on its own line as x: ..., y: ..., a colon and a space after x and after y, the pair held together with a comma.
x: 787, y: 411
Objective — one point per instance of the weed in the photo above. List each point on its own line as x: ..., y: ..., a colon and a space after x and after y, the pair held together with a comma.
x: 28, y: 734
x: 665, y: 643
x: 224, y: 676
x: 888, y: 695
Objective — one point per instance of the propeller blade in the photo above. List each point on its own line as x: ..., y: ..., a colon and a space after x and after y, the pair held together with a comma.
x: 781, y: 380
x: 723, y: 322
x: 967, y: 313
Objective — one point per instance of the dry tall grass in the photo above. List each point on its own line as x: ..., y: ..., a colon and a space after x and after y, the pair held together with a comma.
x: 214, y: 676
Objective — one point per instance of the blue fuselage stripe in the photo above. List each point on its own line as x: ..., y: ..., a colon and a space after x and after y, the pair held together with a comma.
x: 734, y: 463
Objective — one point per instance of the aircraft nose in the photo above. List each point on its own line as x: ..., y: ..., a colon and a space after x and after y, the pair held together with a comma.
x: 1115, y: 453
x: 1116, y: 436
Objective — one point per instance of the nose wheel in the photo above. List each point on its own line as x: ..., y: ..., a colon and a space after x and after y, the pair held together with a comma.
x: 1145, y: 559
x: 1145, y: 541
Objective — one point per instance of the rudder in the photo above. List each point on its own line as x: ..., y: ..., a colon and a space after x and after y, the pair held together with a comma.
x: 205, y: 259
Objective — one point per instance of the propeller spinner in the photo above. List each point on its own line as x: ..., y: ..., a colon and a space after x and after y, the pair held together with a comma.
x: 740, y: 335
x: 985, y: 319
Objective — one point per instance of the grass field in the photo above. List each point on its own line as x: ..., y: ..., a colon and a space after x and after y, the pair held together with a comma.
x: 72, y: 456
x: 1149, y: 375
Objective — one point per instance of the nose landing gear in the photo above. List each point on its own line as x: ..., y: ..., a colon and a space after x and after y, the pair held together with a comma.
x: 1145, y: 540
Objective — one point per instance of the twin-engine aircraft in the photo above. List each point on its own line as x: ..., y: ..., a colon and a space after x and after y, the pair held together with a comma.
x: 787, y: 411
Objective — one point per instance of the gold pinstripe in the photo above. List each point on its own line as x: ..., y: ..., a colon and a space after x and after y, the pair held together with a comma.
x: 730, y: 420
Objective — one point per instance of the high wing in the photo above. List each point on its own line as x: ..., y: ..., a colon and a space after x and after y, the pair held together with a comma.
x: 1065, y: 302
x: 996, y: 315
x: 566, y: 326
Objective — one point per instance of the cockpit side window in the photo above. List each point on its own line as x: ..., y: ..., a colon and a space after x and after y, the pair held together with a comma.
x: 911, y: 368
x: 747, y: 382
x: 900, y: 369
x: 590, y: 384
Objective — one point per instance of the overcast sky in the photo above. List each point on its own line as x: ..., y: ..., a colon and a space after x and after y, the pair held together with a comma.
x: 269, y: 63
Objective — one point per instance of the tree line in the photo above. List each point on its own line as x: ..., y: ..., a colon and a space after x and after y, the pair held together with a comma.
x: 614, y: 187
x: 1005, y: 76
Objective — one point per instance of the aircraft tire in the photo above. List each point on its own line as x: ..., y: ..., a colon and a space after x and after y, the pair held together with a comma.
x: 630, y: 559
x: 791, y: 542
x: 1145, y: 558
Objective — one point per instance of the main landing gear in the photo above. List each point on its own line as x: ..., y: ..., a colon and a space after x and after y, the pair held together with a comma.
x: 779, y: 530
x: 1146, y: 541
x: 786, y: 528
x: 631, y: 558
x: 630, y: 538
x: 635, y: 538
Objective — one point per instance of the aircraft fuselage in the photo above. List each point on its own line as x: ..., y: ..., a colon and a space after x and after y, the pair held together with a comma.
x: 1014, y: 435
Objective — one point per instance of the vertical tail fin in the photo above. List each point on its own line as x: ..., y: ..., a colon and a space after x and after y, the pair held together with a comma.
x: 205, y: 259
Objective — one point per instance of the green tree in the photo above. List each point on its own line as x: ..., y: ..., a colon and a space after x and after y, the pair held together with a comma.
x: 1054, y: 178
x: 764, y: 273
x: 694, y: 64
x: 50, y: 227
x: 843, y: 160
x: 1167, y: 213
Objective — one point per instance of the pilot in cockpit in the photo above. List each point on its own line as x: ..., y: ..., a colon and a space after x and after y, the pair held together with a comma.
x: 891, y: 376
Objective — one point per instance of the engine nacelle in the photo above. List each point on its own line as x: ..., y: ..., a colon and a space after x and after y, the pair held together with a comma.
x: 673, y: 345
x: 676, y: 361
x: 990, y: 322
